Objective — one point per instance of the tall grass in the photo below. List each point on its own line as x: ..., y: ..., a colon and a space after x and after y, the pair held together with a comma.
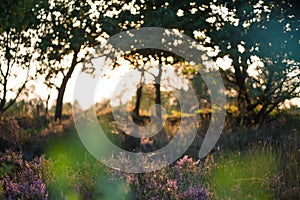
x: 246, y: 175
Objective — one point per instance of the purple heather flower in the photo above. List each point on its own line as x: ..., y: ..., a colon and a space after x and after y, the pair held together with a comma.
x: 172, y: 184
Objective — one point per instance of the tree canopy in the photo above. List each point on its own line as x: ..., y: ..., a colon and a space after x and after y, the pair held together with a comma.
x: 18, y: 30
x: 260, y: 37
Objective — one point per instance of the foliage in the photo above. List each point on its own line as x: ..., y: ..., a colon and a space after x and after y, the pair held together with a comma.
x: 261, y: 39
x: 69, y: 28
x: 19, y: 30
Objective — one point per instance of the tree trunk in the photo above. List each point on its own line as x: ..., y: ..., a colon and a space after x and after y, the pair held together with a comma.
x: 136, y: 110
x: 161, y: 138
x: 157, y: 92
x: 3, y: 100
x: 47, y: 106
x: 139, y: 94
x: 158, y: 100
x: 243, y: 100
x: 62, y: 88
x: 59, y: 100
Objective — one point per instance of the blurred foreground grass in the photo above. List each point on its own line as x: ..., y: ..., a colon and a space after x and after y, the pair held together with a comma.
x: 244, y: 175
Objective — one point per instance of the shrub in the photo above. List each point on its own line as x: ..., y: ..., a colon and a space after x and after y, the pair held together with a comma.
x: 183, y: 180
x: 24, y: 180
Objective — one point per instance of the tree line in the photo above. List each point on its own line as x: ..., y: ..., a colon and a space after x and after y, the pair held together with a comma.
x: 49, y: 39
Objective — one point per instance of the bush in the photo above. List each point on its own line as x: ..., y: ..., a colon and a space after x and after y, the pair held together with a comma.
x: 23, y: 179
x: 184, y: 180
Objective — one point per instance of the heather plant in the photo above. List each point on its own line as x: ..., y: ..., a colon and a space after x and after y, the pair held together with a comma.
x: 66, y: 177
x: 60, y: 176
x: 24, y: 180
x: 11, y: 134
x: 183, y: 180
x: 73, y: 173
x: 56, y: 128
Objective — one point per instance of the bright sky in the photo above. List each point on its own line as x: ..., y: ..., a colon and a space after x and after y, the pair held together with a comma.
x: 120, y: 84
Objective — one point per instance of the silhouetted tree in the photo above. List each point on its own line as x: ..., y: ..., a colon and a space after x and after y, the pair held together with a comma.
x: 70, y: 27
x: 18, y: 42
x: 266, y: 31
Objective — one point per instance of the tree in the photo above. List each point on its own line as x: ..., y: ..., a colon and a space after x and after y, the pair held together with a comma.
x: 262, y: 43
x: 18, y: 43
x: 70, y: 27
x: 231, y: 28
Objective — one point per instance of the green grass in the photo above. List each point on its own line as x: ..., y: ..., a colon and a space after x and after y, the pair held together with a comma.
x: 245, y: 175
